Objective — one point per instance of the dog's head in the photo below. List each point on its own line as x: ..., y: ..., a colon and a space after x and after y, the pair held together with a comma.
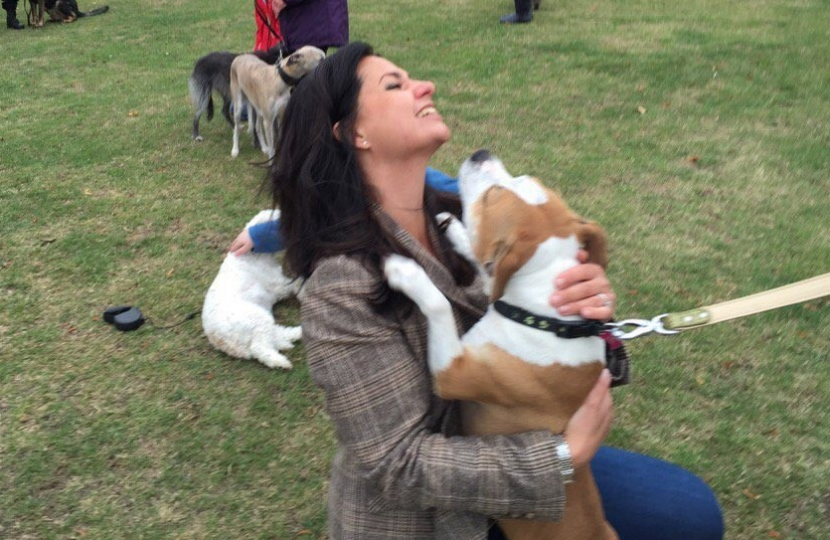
x: 507, y: 218
x: 302, y: 61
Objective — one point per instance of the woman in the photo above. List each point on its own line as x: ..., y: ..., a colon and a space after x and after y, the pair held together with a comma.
x: 357, y: 136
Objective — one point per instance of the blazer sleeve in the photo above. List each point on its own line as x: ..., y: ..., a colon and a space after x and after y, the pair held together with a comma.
x: 379, y: 397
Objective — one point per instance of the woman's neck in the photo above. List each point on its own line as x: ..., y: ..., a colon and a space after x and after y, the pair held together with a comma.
x: 400, y: 189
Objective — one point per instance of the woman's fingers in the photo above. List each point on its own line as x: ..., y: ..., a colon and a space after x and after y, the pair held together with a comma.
x: 590, y: 424
x: 242, y: 244
x: 584, y: 290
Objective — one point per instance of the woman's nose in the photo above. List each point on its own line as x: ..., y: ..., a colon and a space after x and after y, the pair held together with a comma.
x: 424, y: 88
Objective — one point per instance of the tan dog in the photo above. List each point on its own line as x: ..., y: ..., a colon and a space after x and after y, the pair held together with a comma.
x: 266, y: 90
x: 513, y: 373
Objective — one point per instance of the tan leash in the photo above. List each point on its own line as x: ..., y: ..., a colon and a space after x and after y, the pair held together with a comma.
x: 672, y: 323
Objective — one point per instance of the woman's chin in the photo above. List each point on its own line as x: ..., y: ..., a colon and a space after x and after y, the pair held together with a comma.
x: 444, y: 135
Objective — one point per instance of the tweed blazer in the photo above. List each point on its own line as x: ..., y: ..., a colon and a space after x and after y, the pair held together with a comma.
x: 402, y: 470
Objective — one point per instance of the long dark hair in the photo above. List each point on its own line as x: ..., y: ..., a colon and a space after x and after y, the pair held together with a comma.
x: 315, y: 179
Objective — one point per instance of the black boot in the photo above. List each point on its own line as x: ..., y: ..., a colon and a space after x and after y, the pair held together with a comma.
x: 537, y: 4
x: 12, y: 22
x: 523, y: 13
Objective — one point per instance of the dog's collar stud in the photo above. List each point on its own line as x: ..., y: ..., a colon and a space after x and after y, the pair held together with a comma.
x: 562, y: 329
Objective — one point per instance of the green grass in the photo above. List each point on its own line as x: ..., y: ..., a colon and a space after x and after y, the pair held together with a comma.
x: 697, y: 133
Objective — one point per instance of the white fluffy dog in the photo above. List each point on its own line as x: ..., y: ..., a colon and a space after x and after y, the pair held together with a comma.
x: 237, y: 316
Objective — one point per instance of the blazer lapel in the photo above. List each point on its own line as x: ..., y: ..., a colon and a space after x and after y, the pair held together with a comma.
x: 471, y: 298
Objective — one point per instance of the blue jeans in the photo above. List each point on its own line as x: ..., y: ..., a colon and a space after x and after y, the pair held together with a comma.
x: 648, y: 499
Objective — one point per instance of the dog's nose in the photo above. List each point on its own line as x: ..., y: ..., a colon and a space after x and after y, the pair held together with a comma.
x: 480, y: 156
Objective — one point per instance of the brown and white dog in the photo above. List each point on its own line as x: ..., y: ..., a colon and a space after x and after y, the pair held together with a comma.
x: 266, y: 90
x: 514, y: 376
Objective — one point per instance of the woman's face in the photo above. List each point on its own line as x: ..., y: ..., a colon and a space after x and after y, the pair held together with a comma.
x: 396, y: 115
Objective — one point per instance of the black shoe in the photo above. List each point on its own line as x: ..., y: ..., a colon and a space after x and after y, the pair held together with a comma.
x: 524, y: 13
x: 12, y: 22
x: 537, y: 4
x: 515, y: 18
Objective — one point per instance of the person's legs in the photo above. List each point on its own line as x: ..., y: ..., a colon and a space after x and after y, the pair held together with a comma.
x: 11, y: 15
x: 648, y: 499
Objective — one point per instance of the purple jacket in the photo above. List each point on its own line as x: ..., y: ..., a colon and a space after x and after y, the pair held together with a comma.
x: 322, y: 23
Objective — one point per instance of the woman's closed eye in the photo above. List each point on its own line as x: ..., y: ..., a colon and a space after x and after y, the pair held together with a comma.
x: 394, y: 86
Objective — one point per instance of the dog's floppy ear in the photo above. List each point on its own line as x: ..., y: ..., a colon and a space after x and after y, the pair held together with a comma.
x: 506, y: 259
x: 293, y: 59
x: 594, y: 241
x: 498, y: 246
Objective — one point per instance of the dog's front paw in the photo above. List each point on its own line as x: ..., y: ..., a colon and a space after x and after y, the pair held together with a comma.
x: 458, y: 237
x: 401, y: 273
x: 409, y: 277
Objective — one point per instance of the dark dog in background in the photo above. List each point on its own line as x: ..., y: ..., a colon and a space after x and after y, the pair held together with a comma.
x: 65, y: 11
x: 212, y: 72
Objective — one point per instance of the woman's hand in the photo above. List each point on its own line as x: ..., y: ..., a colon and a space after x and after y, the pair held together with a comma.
x: 276, y: 6
x: 590, y: 424
x: 584, y: 290
x: 242, y: 244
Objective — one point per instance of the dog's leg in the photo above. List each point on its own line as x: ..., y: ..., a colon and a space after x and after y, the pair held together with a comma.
x: 443, y: 343
x: 251, y: 118
x: 266, y: 131
x: 262, y: 134
x: 263, y: 350
x: 37, y: 14
x: 285, y: 336
x: 196, y: 136
x: 457, y: 235
x: 253, y: 131
x: 236, y: 95
x: 226, y: 109
x: 457, y: 370
x: 268, y: 128
x: 197, y: 95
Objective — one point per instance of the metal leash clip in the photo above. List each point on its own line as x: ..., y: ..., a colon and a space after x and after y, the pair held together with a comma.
x: 640, y: 327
